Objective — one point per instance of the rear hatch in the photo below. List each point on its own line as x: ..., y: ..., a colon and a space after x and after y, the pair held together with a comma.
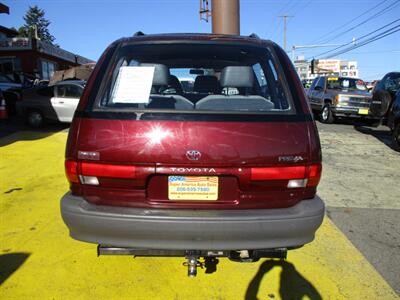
x: 254, y: 163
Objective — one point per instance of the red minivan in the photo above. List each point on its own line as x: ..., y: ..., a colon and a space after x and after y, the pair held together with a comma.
x: 229, y: 168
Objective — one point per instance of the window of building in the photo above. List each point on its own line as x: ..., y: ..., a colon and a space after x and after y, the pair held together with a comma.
x: 8, y: 65
x: 48, y: 69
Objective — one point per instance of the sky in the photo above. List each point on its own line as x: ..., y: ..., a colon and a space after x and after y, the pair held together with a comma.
x: 87, y: 27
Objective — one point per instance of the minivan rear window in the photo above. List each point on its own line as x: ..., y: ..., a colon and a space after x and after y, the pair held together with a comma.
x: 226, y: 79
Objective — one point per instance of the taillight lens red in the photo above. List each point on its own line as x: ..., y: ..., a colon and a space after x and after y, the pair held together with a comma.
x: 105, y: 170
x: 311, y: 173
x: 278, y: 173
x: 314, y: 175
x: 71, y: 171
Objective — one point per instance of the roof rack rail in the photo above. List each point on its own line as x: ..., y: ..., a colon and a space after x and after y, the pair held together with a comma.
x: 138, y: 33
x: 254, y: 36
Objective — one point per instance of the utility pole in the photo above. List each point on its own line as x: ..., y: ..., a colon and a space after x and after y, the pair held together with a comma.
x: 225, y: 15
x: 285, y: 17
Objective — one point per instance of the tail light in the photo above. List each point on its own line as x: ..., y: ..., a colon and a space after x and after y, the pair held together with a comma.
x: 278, y: 173
x: 89, y: 173
x: 71, y: 171
x: 106, y: 170
x: 296, y: 176
x: 314, y: 175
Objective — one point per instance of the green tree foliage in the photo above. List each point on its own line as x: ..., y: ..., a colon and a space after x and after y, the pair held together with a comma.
x: 34, y: 18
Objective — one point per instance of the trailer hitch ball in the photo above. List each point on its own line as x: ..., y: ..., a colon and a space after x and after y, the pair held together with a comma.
x: 192, y: 266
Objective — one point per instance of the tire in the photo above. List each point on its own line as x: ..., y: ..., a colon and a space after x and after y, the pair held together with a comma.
x: 34, y: 119
x: 327, y: 116
x: 380, y: 103
x: 396, y: 137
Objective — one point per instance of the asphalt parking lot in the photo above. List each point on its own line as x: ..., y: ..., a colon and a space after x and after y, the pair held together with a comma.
x: 356, y: 253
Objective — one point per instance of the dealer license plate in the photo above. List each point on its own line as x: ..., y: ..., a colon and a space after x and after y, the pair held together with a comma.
x: 363, y: 111
x: 203, y: 188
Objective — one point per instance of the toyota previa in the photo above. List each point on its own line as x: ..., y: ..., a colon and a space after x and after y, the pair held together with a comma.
x: 229, y: 168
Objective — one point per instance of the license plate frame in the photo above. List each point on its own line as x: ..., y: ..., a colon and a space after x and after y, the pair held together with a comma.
x: 193, y: 188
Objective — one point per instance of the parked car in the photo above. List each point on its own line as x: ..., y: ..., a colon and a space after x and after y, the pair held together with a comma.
x: 385, y: 104
x: 202, y: 174
x: 333, y: 96
x: 50, y: 103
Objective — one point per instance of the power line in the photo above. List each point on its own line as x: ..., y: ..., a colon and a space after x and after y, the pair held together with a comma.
x: 272, y: 23
x: 287, y: 7
x: 379, y: 13
x: 304, y: 6
x: 347, y: 23
x: 357, y: 39
x: 370, y: 40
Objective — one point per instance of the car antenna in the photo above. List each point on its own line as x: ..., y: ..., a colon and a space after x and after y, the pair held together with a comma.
x: 138, y: 33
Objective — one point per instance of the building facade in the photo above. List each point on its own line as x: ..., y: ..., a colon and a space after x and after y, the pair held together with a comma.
x: 326, y: 67
x: 33, y: 57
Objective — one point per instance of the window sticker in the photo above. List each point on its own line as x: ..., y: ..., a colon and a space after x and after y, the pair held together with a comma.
x: 333, y: 78
x: 133, y: 85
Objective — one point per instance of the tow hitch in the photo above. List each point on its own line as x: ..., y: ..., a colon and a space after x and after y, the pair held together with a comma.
x: 193, y: 256
x: 192, y: 263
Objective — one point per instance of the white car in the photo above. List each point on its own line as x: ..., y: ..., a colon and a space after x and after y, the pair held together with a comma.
x: 51, y: 103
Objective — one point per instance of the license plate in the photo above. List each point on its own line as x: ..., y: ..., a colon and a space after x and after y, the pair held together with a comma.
x: 363, y: 111
x: 204, y: 188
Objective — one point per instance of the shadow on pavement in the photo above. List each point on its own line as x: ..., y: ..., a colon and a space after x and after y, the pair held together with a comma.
x: 9, y: 263
x: 292, y: 284
x: 9, y: 128
x: 384, y: 136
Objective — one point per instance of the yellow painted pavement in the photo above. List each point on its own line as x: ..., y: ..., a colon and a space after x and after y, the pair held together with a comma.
x: 38, y: 260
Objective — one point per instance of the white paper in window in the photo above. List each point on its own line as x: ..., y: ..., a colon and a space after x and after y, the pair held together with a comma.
x: 133, y: 85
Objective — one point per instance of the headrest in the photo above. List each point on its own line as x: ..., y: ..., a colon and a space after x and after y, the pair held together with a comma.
x: 161, y: 74
x: 175, y: 83
x: 206, y: 84
x: 237, y: 76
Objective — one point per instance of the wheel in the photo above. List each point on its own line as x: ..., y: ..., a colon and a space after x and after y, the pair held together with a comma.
x: 34, y: 118
x: 396, y: 137
x: 380, y: 103
x: 327, y: 114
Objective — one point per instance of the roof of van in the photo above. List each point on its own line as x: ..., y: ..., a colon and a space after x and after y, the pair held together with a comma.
x: 252, y: 39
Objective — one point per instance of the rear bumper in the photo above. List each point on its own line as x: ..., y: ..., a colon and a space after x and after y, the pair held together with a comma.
x: 180, y: 229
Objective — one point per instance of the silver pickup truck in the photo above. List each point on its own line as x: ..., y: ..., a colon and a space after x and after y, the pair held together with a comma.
x: 334, y: 96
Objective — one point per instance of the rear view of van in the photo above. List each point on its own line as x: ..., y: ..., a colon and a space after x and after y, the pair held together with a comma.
x: 229, y: 166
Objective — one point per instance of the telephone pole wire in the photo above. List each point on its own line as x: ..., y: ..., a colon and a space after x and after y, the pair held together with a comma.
x: 285, y: 17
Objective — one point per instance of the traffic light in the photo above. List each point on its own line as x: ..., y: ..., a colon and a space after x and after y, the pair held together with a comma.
x: 312, y: 66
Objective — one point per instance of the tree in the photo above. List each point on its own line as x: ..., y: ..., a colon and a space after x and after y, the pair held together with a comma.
x: 35, y: 20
